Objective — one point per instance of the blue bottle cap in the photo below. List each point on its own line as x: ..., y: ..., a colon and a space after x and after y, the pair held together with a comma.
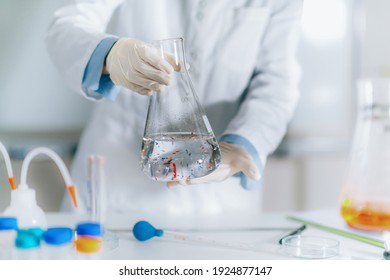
x: 7, y: 223
x: 90, y: 229
x: 26, y: 240
x: 37, y: 232
x: 58, y: 236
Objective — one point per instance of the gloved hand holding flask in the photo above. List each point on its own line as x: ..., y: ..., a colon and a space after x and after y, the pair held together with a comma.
x: 234, y: 159
x: 136, y: 65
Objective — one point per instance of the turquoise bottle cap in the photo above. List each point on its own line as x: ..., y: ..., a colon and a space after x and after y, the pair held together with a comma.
x: 37, y: 232
x: 26, y: 240
x: 90, y: 229
x: 8, y: 223
x: 58, y: 236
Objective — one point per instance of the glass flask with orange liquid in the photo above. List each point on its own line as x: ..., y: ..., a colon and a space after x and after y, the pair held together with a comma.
x: 365, y: 197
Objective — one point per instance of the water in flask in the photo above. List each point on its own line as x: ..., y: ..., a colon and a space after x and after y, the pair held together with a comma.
x: 175, y: 157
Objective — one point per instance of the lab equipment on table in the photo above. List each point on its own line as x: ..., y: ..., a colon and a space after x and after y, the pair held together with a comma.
x: 58, y: 243
x: 88, y: 237
x: 178, y: 141
x: 8, y: 231
x: 28, y: 244
x: 23, y: 200
x: 310, y: 247
x: 143, y: 231
x: 11, y: 177
x: 29, y: 238
x: 97, y: 202
x: 355, y: 236
x: 386, y: 253
x: 96, y: 189
x: 294, y: 232
x: 365, y: 197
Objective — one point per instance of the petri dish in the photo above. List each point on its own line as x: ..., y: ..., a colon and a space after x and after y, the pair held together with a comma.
x: 310, y: 247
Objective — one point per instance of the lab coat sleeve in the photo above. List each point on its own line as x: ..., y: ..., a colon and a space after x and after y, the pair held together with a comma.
x: 74, y: 33
x: 272, y: 93
x: 95, y: 84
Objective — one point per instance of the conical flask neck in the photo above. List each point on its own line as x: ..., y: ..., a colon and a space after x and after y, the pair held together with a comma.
x: 171, y: 50
x: 176, y: 109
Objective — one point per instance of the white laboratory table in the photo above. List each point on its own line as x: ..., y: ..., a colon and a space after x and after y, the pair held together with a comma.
x: 264, y: 230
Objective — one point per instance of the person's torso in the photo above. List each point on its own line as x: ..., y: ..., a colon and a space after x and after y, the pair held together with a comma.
x: 222, y: 43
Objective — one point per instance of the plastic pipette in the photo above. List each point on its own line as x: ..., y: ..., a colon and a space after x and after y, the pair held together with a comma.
x: 11, y: 177
x: 143, y: 231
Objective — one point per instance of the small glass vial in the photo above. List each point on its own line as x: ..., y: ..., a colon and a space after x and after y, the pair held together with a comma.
x: 8, y: 231
x: 58, y: 244
x: 88, y: 240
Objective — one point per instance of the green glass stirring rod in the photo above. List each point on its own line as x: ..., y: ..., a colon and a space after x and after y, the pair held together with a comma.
x: 368, y: 240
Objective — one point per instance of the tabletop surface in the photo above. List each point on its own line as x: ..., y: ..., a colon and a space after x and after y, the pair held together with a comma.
x: 261, y: 232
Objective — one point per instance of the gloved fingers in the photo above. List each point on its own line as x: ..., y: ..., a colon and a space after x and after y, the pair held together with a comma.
x: 150, y: 55
x: 230, y: 149
x: 147, y: 83
x: 248, y: 167
x: 153, y: 74
x: 240, y: 159
x: 172, y: 184
x: 143, y: 74
x: 122, y: 81
x: 140, y: 90
x: 177, y: 65
x: 223, y: 172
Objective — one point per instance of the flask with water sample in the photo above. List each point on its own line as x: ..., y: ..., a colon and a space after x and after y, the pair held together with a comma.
x: 365, y: 198
x: 178, y: 143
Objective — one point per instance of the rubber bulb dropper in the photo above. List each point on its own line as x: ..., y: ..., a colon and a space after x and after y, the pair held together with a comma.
x: 144, y: 230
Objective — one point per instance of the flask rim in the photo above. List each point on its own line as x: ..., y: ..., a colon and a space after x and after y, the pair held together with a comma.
x: 173, y: 39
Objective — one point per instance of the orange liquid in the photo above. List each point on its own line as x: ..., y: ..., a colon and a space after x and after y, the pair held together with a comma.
x: 366, y: 218
x: 87, y: 244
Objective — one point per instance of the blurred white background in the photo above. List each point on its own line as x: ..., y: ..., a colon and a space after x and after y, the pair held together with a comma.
x: 341, y: 41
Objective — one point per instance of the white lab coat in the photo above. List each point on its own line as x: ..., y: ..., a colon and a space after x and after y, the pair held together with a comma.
x: 232, y: 47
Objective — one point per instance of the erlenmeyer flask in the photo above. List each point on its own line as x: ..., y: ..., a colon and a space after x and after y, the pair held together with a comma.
x: 178, y: 142
x: 366, y: 191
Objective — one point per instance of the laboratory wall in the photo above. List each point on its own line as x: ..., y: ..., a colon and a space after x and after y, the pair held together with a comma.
x: 33, y: 98
x: 341, y: 41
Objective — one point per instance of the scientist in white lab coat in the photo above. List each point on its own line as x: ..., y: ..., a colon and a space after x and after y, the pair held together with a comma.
x: 244, y: 70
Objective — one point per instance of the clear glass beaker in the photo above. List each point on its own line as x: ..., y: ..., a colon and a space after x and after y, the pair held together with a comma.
x: 178, y: 142
x: 366, y: 191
